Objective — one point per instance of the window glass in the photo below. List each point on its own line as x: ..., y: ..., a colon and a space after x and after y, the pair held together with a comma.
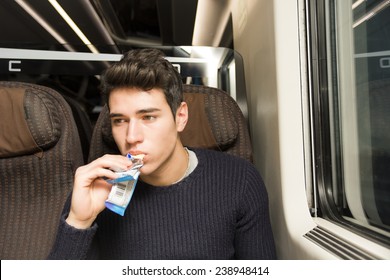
x: 354, y: 117
x: 371, y: 30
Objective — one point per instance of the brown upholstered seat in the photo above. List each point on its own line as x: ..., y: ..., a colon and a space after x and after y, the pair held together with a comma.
x: 215, y: 122
x: 39, y: 152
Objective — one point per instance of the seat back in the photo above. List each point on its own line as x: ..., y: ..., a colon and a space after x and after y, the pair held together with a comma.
x: 215, y: 122
x: 39, y: 152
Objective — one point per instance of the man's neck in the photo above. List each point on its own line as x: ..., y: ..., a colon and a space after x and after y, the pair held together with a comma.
x: 173, y: 172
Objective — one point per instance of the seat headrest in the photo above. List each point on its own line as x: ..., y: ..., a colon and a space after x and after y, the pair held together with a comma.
x: 30, y: 122
x: 211, y: 122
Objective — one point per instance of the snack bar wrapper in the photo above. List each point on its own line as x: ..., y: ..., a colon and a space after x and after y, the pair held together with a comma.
x: 124, y: 186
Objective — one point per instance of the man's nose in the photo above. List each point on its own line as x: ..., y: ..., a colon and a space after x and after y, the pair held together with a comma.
x: 134, y: 132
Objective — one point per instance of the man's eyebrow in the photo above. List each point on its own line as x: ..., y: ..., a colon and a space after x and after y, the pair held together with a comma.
x: 148, y: 110
x: 139, y: 112
x: 115, y: 115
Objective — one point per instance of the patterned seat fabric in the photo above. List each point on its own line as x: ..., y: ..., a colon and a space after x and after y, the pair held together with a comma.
x: 39, y: 152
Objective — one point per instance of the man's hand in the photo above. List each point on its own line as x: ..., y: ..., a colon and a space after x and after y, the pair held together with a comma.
x: 90, y: 191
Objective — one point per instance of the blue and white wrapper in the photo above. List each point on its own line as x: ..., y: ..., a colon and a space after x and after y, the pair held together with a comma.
x: 123, y: 188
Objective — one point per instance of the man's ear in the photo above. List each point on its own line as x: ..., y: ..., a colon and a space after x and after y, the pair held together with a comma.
x: 181, y: 116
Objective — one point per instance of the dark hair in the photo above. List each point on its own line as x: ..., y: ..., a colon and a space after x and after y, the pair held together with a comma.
x: 144, y: 69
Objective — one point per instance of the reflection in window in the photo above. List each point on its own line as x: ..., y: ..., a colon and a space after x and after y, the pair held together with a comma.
x: 355, y: 115
x: 372, y: 55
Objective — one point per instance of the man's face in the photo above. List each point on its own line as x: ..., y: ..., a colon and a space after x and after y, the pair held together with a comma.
x: 142, y: 123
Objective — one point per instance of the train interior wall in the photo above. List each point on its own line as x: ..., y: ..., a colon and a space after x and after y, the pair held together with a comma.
x: 270, y: 50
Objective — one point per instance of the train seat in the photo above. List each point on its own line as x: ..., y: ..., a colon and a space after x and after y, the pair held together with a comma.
x: 215, y: 122
x: 39, y: 152
x: 84, y: 125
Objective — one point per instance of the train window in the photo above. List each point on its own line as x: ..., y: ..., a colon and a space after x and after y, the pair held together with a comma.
x: 350, y: 112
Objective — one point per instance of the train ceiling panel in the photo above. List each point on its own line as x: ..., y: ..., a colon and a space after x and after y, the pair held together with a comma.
x: 96, y: 25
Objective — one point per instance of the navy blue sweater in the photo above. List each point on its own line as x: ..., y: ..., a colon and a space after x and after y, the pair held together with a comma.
x: 220, y: 211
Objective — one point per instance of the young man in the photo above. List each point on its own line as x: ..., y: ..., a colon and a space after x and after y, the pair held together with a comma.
x: 188, y: 203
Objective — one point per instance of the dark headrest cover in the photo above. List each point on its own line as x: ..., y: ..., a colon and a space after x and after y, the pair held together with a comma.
x: 28, y: 122
x: 197, y: 132
x: 211, y: 121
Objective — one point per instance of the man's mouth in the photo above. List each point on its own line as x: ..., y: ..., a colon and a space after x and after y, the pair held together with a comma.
x: 139, y: 156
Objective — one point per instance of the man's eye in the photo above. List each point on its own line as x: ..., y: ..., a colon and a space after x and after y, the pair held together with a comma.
x: 148, y: 118
x: 117, y: 121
